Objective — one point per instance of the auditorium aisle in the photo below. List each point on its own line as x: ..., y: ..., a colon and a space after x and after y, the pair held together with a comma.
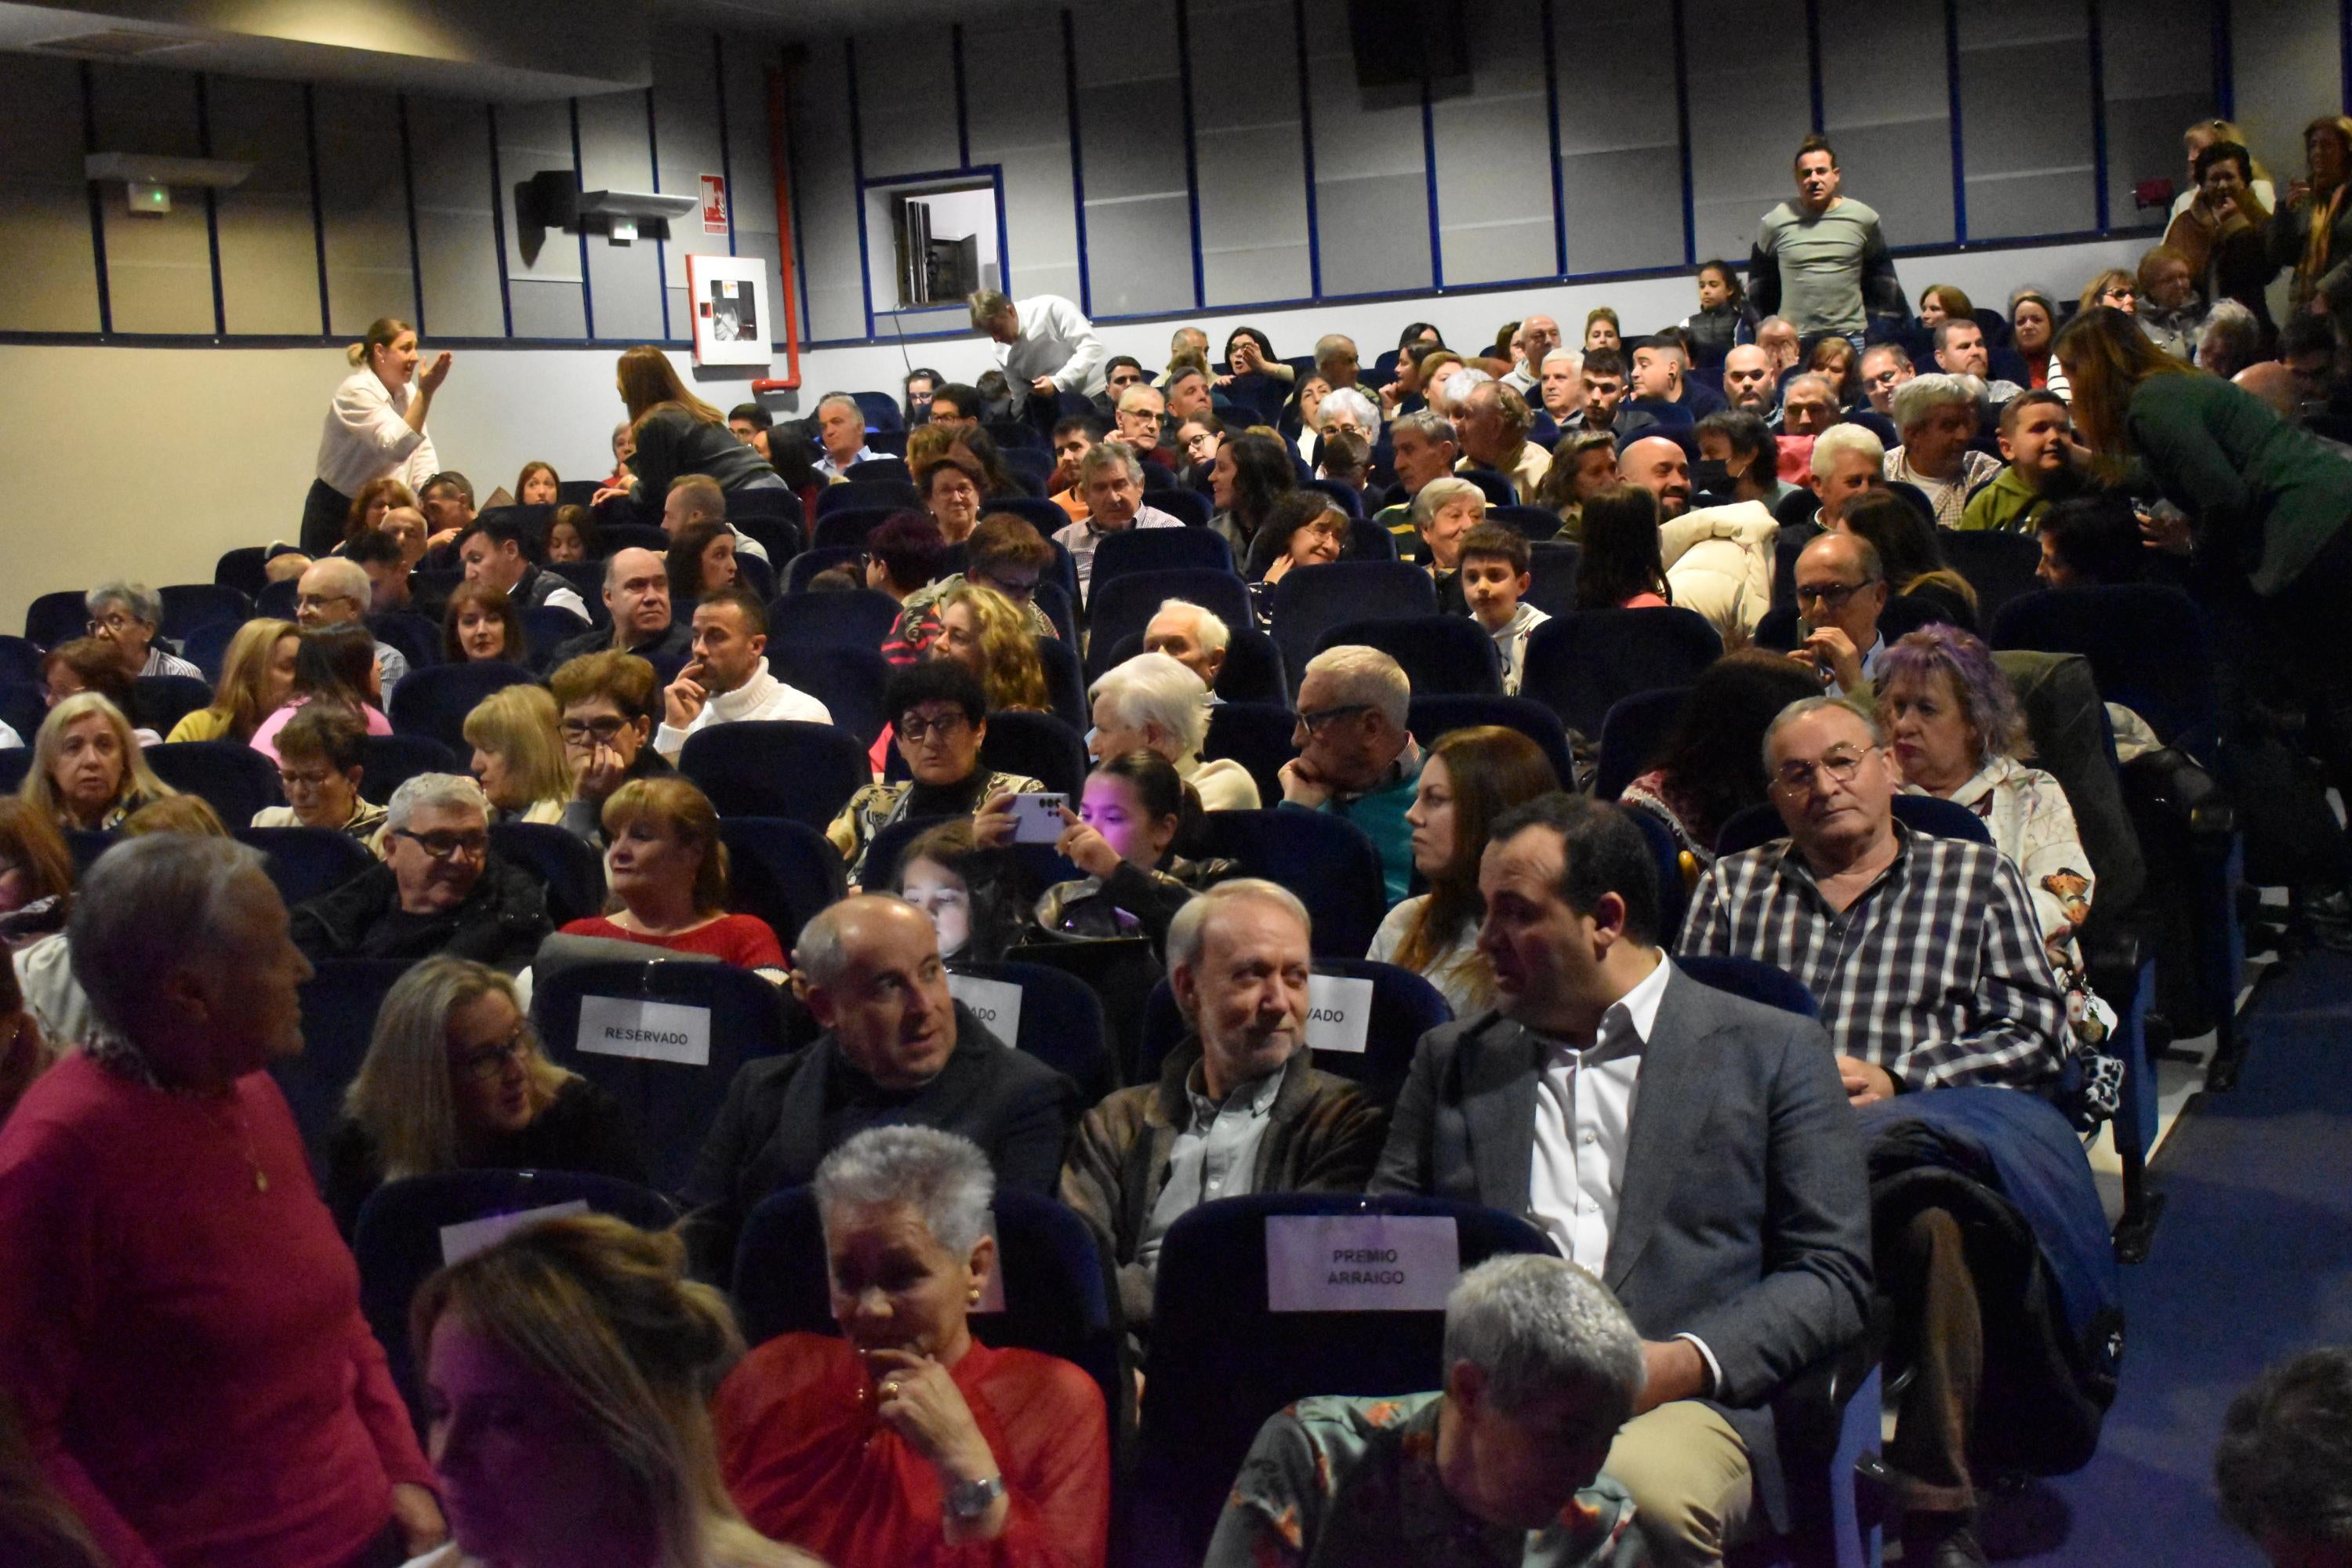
x: 2251, y: 1262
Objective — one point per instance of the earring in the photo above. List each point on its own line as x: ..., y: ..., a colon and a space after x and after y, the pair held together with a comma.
x: 971, y: 1297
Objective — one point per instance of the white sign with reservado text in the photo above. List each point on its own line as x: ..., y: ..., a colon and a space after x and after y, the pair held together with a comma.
x: 461, y: 1241
x: 996, y: 1002
x: 1339, y: 1014
x: 652, y: 1031
x: 1361, y: 1262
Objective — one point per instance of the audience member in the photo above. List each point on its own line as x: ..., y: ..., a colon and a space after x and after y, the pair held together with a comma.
x: 1718, y: 558
x: 36, y: 874
x: 1712, y: 330
x: 1748, y: 386
x: 895, y: 1049
x: 2090, y: 542
x: 376, y: 501
x: 518, y: 754
x: 1740, y: 460
x: 1760, y: 1266
x: 1820, y: 258
x: 1620, y: 568
x: 956, y: 407
x: 678, y: 435
x: 1357, y: 757
x: 482, y: 623
x: 1444, y: 513
x: 1884, y: 368
x: 1937, y: 416
x: 750, y: 424
x: 1194, y: 637
x: 667, y: 869
x: 1306, y: 403
x: 2037, y: 442
x: 1541, y: 1369
x: 908, y: 1440
x: 1493, y: 424
x: 949, y: 488
x: 1007, y: 555
x: 2310, y: 238
x: 1112, y: 476
x: 384, y: 560
x: 904, y: 554
x: 1778, y: 337
x: 86, y: 772
x: 938, y: 716
x: 1961, y: 350
x: 1470, y: 777
x: 700, y: 560
x: 962, y: 890
x: 1494, y: 574
x: 1911, y: 555
x: 1560, y: 386
x: 257, y: 677
x: 126, y: 617
x: 637, y: 596
x: 570, y: 1363
x: 168, y: 1341
x: 446, y: 499
x: 2222, y: 233
x: 1074, y: 437
x: 1809, y: 406
x: 1847, y: 463
x: 1833, y: 357
x: 2230, y: 343
x: 607, y: 722
x: 321, y: 756
x: 88, y: 664
x: 406, y: 526
x: 1044, y: 345
x: 841, y: 433
x: 1601, y: 331
x: 495, y: 550
x: 728, y: 680
x: 980, y: 629
x: 1583, y: 464
x: 2285, y: 1453
x: 1710, y: 768
x: 1605, y: 390
x: 1155, y: 703
x: 336, y: 592
x: 1135, y: 809
x: 1422, y: 447
x: 2032, y: 331
x: 455, y: 1079
x: 1842, y: 589
x: 1658, y: 366
x: 335, y: 665
x: 439, y: 890
x: 1306, y: 527
x: 374, y: 429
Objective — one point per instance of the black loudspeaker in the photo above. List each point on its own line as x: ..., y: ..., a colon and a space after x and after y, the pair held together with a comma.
x: 1401, y: 42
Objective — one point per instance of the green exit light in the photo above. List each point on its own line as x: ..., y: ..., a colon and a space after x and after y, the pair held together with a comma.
x: 148, y: 198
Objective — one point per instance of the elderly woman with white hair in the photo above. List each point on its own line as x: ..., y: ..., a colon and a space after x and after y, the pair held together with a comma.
x: 1937, y: 416
x: 1445, y: 511
x: 180, y: 1325
x: 1152, y: 703
x: 906, y: 1441
x: 439, y: 891
x: 1848, y: 462
x: 1347, y: 408
x: 128, y: 614
x: 1541, y: 1366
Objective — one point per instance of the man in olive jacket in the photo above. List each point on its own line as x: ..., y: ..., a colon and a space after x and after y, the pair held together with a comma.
x: 1237, y: 1109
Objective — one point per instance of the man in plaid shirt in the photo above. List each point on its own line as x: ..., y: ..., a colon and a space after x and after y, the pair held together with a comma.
x: 1927, y: 961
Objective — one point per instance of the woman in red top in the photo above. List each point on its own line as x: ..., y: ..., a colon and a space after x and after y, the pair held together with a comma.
x: 668, y: 871
x: 180, y: 1325
x: 909, y: 1444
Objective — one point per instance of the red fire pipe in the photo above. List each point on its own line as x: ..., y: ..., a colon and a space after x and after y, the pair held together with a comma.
x: 780, y: 160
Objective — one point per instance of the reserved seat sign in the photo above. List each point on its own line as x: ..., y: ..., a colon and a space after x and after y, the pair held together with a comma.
x: 1339, y: 1014
x: 1361, y: 1262
x: 651, y: 1031
x: 462, y: 1240
x: 996, y: 1002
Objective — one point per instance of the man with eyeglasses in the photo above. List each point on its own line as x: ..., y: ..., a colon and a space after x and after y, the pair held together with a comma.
x: 1926, y: 959
x: 1357, y: 759
x: 335, y: 591
x: 1841, y: 589
x: 439, y: 890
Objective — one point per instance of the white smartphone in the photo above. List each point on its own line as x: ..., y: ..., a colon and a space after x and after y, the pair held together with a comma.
x: 1037, y: 818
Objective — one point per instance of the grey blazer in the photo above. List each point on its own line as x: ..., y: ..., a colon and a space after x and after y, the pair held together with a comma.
x: 1744, y: 1218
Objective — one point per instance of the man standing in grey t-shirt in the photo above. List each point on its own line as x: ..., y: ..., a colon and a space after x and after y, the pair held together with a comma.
x: 1820, y: 260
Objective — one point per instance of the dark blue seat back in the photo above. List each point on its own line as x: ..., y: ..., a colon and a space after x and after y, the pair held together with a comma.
x: 23, y: 708
x: 776, y: 768
x: 1443, y: 654
x: 849, y: 527
x: 2149, y: 648
x: 780, y: 870
x: 807, y: 564
x: 1942, y: 818
x: 1552, y: 570
x: 55, y: 619
x: 859, y: 619
x: 1040, y: 745
x: 340, y: 1001
x: 1326, y: 859
x: 847, y: 679
x: 20, y: 660
x: 161, y: 701
x: 434, y: 701
x: 1635, y: 731
x: 1368, y: 541
x: 244, y: 568
x: 394, y: 760
x: 1998, y: 566
x: 1749, y: 977
x: 1533, y: 523
x: 1665, y: 857
x: 1257, y: 735
x: 882, y: 495
x: 1437, y: 713
x: 1062, y: 1022
x: 889, y: 843
x: 1157, y: 550
x: 1066, y: 683
x: 881, y: 410
x: 304, y: 862
x: 1308, y: 604
x: 1188, y: 506
x: 668, y: 1106
x: 1123, y: 606
x: 546, y: 628
x: 1497, y: 488
x: 187, y: 605
x: 1043, y: 515
x: 1747, y: 827
x: 569, y: 866
x: 1582, y: 664
x: 232, y: 778
x: 1350, y: 500
x: 418, y: 640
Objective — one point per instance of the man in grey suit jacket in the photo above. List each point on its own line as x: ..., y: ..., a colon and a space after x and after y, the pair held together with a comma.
x: 1725, y: 1203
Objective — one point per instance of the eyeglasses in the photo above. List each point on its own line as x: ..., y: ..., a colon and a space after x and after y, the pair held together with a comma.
x: 489, y: 1061
x: 448, y: 846
x: 320, y: 601
x: 114, y: 624
x: 306, y: 780
x: 916, y: 728
x: 1313, y: 723
x: 580, y: 731
x: 1829, y: 595
x: 1841, y: 765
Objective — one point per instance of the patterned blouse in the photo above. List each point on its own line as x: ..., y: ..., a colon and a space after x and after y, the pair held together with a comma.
x: 1338, y: 1482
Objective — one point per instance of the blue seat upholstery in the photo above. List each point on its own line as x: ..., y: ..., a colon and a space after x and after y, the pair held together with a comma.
x: 1349, y: 499
x: 1529, y: 523
x: 1042, y: 514
x: 1497, y: 488
x: 1188, y: 506
x: 1666, y: 857
x: 1066, y: 683
x: 394, y: 760
x: 858, y: 619
x: 1551, y: 566
x: 1039, y: 745
x: 419, y: 639
x: 780, y: 870
x: 340, y: 1001
x: 55, y: 619
x: 847, y: 679
x: 569, y: 866
x: 161, y: 701
x: 1308, y: 604
x: 807, y: 564
x: 1582, y: 664
x: 1326, y: 859
x: 546, y: 628
x: 23, y: 708
x: 849, y: 527
x: 1449, y: 655
x: 1368, y: 541
x: 1157, y: 550
x: 232, y: 778
x: 668, y: 1106
x: 244, y: 568
x: 1633, y: 734
x: 881, y: 410
x: 434, y: 701
x: 889, y: 843
x: 776, y: 767
x: 20, y: 660
x: 1749, y: 977
x: 1257, y: 735
x: 1998, y: 566
x: 2148, y: 646
x: 891, y: 470
x: 1122, y: 607
x: 1062, y: 1023
x: 187, y: 605
x: 876, y: 495
x: 1434, y: 715
x: 304, y: 862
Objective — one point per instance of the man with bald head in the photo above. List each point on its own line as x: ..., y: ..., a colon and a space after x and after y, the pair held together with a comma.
x: 1718, y: 558
x: 636, y: 598
x: 897, y: 1047
x: 1659, y: 465
x: 1749, y: 381
x: 1841, y: 589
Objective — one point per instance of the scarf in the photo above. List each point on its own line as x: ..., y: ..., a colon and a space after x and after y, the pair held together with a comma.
x: 2313, y: 264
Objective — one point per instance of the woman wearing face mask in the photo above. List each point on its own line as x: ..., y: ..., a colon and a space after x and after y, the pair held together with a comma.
x: 958, y: 886
x: 1122, y: 836
x: 906, y: 1441
x: 374, y: 429
x: 455, y: 1079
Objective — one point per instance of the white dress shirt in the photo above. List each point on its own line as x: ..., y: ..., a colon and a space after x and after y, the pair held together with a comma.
x: 1057, y: 340
x: 1584, y: 1115
x: 761, y: 696
x: 367, y: 437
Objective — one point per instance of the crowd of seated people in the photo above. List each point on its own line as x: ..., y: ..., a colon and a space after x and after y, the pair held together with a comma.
x: 1800, y: 462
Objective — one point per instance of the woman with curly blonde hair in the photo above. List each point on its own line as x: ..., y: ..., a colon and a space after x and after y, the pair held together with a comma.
x: 980, y: 629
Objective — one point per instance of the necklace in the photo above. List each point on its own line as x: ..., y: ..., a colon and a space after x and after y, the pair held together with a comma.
x: 121, y: 1057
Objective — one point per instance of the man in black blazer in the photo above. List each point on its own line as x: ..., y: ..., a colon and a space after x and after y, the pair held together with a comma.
x: 1692, y: 1149
x: 897, y: 1047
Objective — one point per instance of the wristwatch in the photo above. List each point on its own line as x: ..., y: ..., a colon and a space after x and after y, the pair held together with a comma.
x: 969, y: 1502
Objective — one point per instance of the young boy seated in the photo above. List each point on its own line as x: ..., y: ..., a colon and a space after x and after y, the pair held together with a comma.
x: 2037, y: 440
x: 1495, y: 573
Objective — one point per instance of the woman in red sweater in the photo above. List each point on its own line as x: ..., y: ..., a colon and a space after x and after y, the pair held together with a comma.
x: 668, y: 872
x: 180, y: 1325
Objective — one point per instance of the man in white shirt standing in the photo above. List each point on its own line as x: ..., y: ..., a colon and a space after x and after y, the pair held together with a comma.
x: 1045, y: 342
x: 727, y: 682
x: 1742, y: 1256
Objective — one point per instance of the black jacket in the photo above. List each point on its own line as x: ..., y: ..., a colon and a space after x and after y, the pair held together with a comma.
x: 673, y: 442
x: 501, y: 922
x: 785, y: 1114
x: 677, y: 641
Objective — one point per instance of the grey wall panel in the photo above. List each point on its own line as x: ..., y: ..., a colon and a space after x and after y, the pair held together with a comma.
x: 685, y: 136
x: 2156, y: 62
x: 2286, y: 57
x: 905, y: 103
x: 1371, y: 183
x: 542, y: 263
x: 825, y: 189
x: 2025, y: 118
x: 1131, y: 129
x: 1750, y: 105
x: 159, y: 268
x: 1016, y: 96
x: 363, y: 196
x: 1493, y: 148
x: 624, y: 282
x: 751, y: 168
x: 1621, y: 152
x: 268, y: 252
x: 43, y: 200
x: 449, y: 144
x: 1886, y: 108
x: 547, y: 309
x: 1250, y: 153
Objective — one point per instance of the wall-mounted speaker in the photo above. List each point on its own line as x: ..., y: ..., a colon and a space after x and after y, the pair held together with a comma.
x: 1400, y: 43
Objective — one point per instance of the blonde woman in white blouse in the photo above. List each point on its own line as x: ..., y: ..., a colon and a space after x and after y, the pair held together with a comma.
x: 374, y: 429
